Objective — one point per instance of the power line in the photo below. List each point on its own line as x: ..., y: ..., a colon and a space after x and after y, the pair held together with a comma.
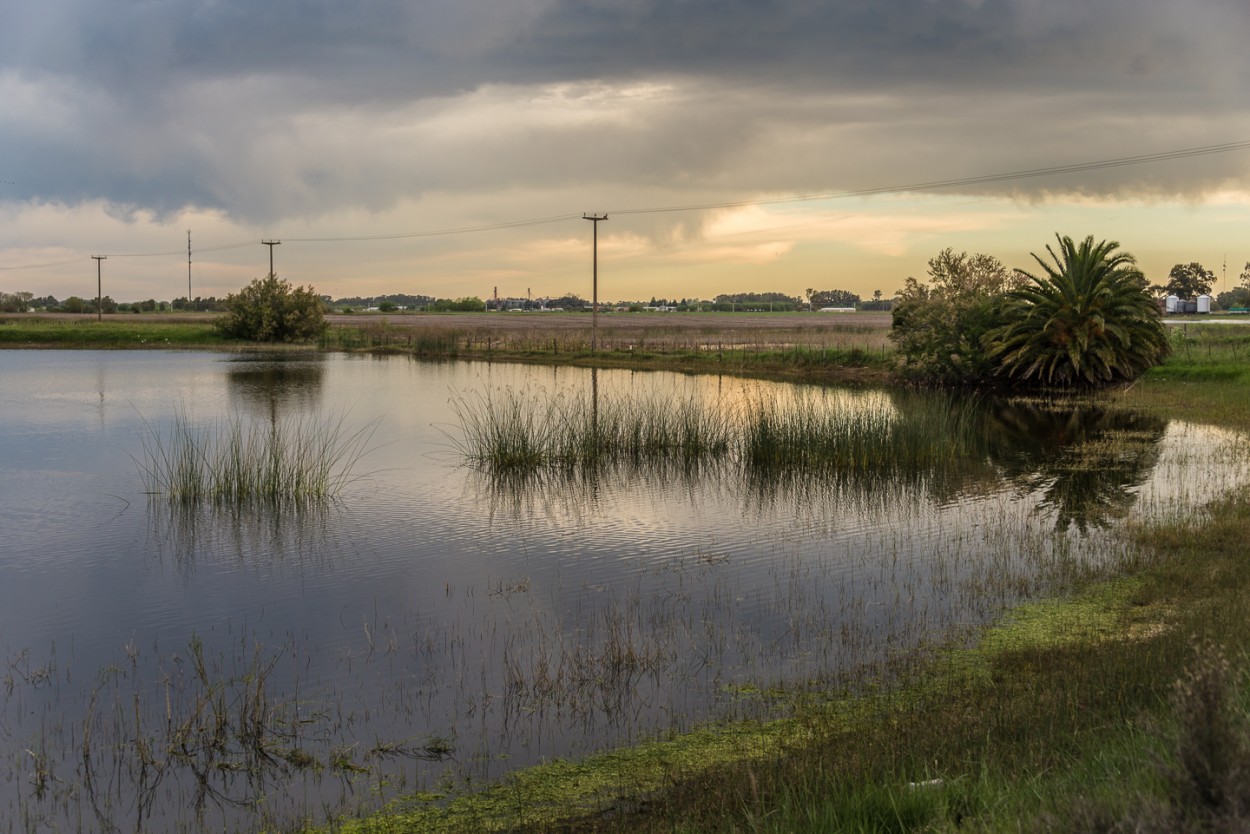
x: 43, y: 266
x: 1031, y: 173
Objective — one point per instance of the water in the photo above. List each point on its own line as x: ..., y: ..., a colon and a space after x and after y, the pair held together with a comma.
x: 434, y: 624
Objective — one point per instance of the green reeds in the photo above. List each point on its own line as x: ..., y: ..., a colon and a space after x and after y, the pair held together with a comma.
x: 872, y: 437
x: 510, y: 432
x: 233, y: 461
x: 514, y: 432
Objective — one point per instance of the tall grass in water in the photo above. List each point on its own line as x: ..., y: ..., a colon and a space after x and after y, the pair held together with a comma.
x: 510, y: 431
x: 233, y: 461
x: 871, y: 438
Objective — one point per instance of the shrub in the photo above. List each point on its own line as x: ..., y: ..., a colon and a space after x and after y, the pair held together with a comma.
x: 938, y: 327
x: 271, y: 310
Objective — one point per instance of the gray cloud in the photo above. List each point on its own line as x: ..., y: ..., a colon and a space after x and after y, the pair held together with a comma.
x: 292, y: 108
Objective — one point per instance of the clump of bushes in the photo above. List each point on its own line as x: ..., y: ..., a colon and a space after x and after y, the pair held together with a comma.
x: 1086, y: 321
x: 271, y: 310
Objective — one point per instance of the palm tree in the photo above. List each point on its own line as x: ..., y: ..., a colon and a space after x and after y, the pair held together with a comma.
x: 1088, y: 321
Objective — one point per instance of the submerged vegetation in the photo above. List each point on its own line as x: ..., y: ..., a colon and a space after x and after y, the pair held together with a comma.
x: 234, y: 461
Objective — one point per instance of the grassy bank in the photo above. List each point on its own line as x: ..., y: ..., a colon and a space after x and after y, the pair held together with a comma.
x: 110, y: 333
x: 799, y: 348
x: 795, y: 349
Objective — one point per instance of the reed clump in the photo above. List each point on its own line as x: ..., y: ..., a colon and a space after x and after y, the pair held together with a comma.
x: 874, y: 438
x: 510, y: 431
x: 237, y: 461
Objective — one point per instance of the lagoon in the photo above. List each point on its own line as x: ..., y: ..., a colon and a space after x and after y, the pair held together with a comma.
x: 436, y: 625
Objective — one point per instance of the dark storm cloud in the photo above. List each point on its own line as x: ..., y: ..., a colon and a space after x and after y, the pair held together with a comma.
x: 284, y: 107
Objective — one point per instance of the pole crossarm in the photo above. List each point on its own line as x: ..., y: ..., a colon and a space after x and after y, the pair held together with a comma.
x: 271, y: 244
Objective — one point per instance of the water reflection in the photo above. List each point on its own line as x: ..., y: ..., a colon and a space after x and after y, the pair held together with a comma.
x: 505, y: 619
x: 1085, y: 460
x: 577, y: 493
x: 300, y: 534
x: 273, y: 385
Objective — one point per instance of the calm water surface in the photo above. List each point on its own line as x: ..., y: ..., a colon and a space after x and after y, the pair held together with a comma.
x: 434, y: 624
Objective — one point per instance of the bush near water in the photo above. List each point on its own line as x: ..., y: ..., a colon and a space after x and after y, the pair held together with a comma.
x: 271, y: 310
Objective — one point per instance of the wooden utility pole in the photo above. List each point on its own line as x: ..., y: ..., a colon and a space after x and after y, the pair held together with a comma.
x: 271, y: 244
x: 189, y: 307
x: 594, y: 301
x: 99, y: 301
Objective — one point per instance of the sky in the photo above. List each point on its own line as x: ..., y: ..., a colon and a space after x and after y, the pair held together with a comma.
x: 451, y: 147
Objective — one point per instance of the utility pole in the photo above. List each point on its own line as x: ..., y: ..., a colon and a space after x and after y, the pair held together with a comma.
x: 271, y: 244
x: 189, y: 269
x: 594, y: 301
x: 99, y: 301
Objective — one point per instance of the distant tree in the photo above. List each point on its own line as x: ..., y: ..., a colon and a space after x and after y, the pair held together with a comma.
x: 459, y: 305
x: 1236, y: 297
x: 832, y: 298
x: 938, y: 326
x: 1188, y: 281
x: 878, y: 302
x: 1087, y: 321
x: 15, y: 302
x: 271, y: 310
x: 74, y: 304
x: 569, y: 301
x: 387, y: 306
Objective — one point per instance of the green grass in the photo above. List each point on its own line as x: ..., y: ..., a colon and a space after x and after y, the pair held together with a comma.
x: 512, y: 430
x: 106, y: 334
x: 517, y: 431
x: 232, y: 461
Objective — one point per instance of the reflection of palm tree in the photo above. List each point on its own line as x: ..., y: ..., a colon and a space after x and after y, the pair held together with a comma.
x: 1083, y: 458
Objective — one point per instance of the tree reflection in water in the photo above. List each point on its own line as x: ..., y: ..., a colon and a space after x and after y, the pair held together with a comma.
x: 1085, y: 459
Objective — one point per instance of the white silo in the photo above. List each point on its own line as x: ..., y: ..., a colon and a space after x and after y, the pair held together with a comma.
x: 1172, y: 303
x: 1204, y: 304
